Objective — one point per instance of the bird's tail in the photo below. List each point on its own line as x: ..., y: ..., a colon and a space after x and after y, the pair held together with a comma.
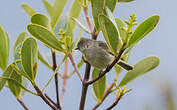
x: 125, y: 66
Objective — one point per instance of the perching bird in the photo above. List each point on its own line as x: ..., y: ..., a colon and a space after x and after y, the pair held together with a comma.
x: 97, y: 54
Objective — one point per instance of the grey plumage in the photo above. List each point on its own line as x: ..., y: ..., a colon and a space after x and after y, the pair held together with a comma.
x: 97, y: 54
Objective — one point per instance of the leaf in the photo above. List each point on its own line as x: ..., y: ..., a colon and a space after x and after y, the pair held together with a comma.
x: 98, y: 86
x: 6, y: 73
x: 17, y: 83
x: 17, y: 59
x: 15, y: 88
x: 48, y: 7
x: 21, y: 37
x: 111, y: 4
x: 44, y: 35
x: 111, y: 17
x: 57, y: 11
x: 125, y: 1
x: 75, y: 12
x: 30, y: 11
x: 143, y: 29
x: 4, y: 48
x: 97, y: 9
x: 29, y: 56
x: 40, y: 19
x: 83, y: 25
x: 140, y: 68
x: 121, y: 25
x: 25, y: 83
x: 110, y: 33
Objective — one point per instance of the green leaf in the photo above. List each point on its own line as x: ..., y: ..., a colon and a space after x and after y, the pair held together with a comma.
x: 75, y: 12
x: 17, y: 59
x: 40, y: 19
x: 44, y: 35
x: 111, y: 4
x: 110, y: 33
x: 17, y: 83
x: 97, y: 9
x: 140, y: 68
x: 121, y: 25
x: 83, y: 25
x: 21, y: 37
x: 143, y: 29
x: 57, y: 11
x: 111, y: 17
x: 15, y: 88
x: 125, y: 1
x: 98, y: 86
x: 6, y: 73
x: 4, y: 48
x: 30, y: 11
x: 29, y: 56
x: 48, y: 7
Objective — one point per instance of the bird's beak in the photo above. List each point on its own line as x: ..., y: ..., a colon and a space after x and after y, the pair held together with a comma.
x: 76, y: 48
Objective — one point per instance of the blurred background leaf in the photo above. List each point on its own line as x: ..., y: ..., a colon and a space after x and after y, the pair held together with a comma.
x: 4, y: 48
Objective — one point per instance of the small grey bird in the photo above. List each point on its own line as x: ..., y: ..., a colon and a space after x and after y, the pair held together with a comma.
x: 97, y: 54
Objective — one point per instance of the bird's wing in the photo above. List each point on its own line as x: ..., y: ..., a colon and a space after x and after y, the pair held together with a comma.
x: 103, y: 45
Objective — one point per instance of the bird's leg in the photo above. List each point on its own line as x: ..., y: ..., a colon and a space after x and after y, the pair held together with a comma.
x: 84, y: 59
x: 100, y: 73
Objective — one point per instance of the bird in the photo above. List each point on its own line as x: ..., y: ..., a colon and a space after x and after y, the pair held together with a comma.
x: 98, y: 54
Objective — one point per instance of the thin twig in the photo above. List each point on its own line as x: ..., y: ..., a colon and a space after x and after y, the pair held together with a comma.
x: 55, y: 72
x: 104, y: 97
x: 115, y: 103
x: 22, y: 103
x: 109, y: 67
x: 74, y: 65
x: 50, y: 100
x: 64, y: 80
x: 44, y: 98
x: 56, y: 78
x: 87, y: 18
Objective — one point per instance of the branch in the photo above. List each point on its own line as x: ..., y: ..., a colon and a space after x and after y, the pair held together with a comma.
x: 50, y: 99
x: 88, y: 66
x: 87, y: 18
x: 109, y: 67
x: 116, y: 102
x: 84, y: 87
x: 44, y: 97
x: 56, y: 78
x: 64, y: 80
x: 74, y: 65
x: 22, y: 103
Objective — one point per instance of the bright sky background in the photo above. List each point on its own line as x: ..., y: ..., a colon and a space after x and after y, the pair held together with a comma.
x: 161, y: 42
